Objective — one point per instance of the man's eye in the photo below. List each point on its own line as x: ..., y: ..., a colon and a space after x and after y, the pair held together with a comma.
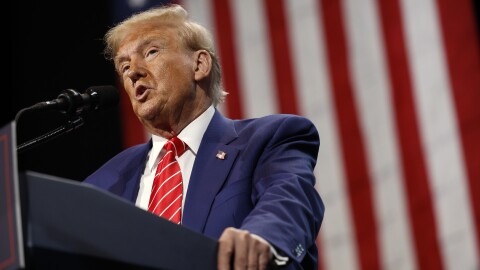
x: 151, y: 52
x: 124, y: 68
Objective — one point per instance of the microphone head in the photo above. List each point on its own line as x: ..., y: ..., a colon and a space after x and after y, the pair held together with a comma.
x: 103, y: 96
x: 72, y: 103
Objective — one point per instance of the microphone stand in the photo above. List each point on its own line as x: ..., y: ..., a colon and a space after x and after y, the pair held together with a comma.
x: 73, y: 123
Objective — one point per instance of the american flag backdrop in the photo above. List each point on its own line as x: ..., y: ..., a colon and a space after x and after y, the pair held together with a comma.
x: 393, y: 87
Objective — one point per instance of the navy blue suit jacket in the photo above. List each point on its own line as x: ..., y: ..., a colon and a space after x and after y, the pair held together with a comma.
x: 264, y: 185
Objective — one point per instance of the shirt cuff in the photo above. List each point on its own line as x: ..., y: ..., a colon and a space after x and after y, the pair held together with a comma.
x: 277, y: 259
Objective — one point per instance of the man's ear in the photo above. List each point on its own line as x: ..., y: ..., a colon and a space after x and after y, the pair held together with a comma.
x: 203, y: 64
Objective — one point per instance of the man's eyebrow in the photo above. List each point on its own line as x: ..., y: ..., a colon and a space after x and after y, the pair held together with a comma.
x: 119, y: 58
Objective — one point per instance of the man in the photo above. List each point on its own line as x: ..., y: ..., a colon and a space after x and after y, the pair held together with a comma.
x: 248, y: 183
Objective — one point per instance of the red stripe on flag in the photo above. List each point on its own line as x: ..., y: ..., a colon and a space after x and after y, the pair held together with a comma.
x: 321, y: 261
x: 281, y: 58
x: 132, y: 130
x: 227, y: 51
x: 463, y: 57
x: 352, y: 143
x: 418, y: 195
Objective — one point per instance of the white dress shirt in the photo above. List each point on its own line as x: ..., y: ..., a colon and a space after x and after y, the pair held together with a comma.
x: 192, y: 136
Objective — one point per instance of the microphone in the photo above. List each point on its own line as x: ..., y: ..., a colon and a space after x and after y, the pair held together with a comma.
x: 72, y: 102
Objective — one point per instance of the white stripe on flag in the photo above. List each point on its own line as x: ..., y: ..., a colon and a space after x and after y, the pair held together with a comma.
x: 200, y: 12
x: 372, y: 89
x: 258, y: 95
x: 438, y: 125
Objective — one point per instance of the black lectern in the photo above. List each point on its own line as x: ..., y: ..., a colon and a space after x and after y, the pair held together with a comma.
x: 71, y: 225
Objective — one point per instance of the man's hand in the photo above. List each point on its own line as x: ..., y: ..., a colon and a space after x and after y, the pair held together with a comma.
x: 242, y: 250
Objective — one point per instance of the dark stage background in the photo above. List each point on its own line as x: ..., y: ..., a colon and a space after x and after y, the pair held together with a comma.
x: 56, y: 45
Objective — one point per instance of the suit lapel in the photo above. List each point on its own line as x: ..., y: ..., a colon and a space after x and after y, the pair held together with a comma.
x: 128, y: 185
x: 209, y: 171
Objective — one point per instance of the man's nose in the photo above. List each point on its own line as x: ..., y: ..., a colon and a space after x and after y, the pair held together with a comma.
x: 136, y: 71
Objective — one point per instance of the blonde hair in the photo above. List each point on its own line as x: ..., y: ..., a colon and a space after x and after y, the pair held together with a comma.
x: 194, y: 36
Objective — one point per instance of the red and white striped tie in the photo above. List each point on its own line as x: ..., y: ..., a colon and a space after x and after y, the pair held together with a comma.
x: 167, y: 189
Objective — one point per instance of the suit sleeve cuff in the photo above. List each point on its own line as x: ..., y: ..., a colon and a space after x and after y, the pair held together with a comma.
x: 277, y: 259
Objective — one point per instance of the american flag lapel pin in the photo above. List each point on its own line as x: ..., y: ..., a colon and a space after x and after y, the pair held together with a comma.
x: 221, y: 155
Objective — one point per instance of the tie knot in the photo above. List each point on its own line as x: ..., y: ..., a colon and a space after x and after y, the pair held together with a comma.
x: 176, y: 145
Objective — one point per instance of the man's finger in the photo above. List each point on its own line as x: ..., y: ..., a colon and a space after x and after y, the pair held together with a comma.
x: 259, y: 253
x: 225, y: 250
x: 241, y: 249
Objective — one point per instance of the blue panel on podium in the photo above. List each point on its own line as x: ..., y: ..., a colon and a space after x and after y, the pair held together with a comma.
x: 70, y: 217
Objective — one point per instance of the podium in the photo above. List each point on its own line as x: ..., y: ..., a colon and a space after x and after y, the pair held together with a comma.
x: 49, y: 222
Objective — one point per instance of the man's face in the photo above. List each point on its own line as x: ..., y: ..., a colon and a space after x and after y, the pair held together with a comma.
x: 158, y: 74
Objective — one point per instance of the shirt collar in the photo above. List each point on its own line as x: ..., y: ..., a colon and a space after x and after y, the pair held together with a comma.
x: 192, y: 135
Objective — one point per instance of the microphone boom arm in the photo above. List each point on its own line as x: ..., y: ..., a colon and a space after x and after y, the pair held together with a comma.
x: 71, y: 125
